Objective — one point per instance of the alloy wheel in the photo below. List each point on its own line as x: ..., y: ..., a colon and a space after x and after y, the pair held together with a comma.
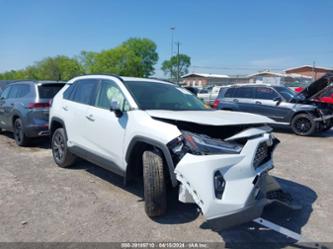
x: 58, y: 147
x: 303, y: 125
x: 18, y: 132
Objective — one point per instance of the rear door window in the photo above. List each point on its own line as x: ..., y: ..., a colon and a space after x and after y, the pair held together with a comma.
x: 265, y: 93
x: 230, y: 93
x: 48, y: 91
x: 85, y: 91
x: 5, y: 93
x: 13, y: 92
x: 244, y: 92
x: 19, y: 91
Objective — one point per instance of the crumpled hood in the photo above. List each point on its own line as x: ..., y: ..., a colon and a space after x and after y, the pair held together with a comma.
x: 211, y: 117
x: 317, y: 86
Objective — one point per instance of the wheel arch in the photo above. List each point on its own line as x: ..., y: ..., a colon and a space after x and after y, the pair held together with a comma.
x: 55, y: 124
x: 311, y: 112
x: 137, y: 146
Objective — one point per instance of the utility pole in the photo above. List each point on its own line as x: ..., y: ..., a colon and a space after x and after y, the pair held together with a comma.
x: 172, y: 36
x: 178, y: 63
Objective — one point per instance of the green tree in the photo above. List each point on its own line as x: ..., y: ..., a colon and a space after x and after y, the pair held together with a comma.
x: 176, y: 66
x: 145, y: 50
x: 58, y: 68
x: 87, y: 59
x: 134, y: 57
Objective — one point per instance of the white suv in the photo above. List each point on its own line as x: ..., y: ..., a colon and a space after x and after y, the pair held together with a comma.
x: 158, y: 131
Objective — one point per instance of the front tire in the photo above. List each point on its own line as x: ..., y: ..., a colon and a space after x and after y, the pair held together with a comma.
x: 154, y: 184
x: 61, y: 155
x: 20, y: 138
x: 303, y: 124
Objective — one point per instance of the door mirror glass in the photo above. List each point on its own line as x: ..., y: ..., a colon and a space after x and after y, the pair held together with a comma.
x: 115, y: 107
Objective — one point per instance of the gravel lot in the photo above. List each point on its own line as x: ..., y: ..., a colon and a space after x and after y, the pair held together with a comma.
x: 42, y: 202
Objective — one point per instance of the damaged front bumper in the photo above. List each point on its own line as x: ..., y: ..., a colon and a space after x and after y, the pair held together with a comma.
x: 230, y: 189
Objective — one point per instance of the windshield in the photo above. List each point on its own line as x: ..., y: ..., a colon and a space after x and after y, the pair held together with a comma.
x: 161, y: 96
x: 286, y: 93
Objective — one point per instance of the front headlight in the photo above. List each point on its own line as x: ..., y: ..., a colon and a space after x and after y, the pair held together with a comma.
x: 205, y: 145
x: 199, y: 144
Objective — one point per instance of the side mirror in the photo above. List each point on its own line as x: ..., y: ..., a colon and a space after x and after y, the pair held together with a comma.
x: 277, y: 100
x: 116, y: 109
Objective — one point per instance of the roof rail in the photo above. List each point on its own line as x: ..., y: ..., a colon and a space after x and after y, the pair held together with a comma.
x: 113, y: 75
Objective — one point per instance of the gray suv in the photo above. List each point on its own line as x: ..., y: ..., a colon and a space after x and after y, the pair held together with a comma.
x: 24, y: 108
x: 278, y: 103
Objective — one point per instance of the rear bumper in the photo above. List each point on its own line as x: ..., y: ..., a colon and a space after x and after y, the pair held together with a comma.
x: 37, y: 131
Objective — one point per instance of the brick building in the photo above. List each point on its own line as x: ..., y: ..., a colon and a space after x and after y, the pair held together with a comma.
x: 202, y: 79
x: 308, y: 70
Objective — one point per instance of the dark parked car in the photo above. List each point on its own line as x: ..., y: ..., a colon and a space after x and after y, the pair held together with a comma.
x: 24, y: 108
x: 279, y: 103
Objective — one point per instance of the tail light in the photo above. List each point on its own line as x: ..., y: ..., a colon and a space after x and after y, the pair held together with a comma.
x: 216, y: 103
x: 38, y: 105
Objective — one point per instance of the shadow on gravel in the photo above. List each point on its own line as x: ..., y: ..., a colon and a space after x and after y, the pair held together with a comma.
x: 178, y: 213
x: 40, y: 142
x: 245, y: 235
x: 287, y: 130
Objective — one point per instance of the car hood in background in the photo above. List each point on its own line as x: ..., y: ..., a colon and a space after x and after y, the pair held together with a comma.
x: 211, y: 117
x: 317, y: 86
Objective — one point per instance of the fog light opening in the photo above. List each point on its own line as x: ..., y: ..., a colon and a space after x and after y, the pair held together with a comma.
x: 219, y: 184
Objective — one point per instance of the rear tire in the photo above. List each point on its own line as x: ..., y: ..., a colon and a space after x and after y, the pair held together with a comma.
x: 20, y: 138
x: 154, y: 184
x: 303, y: 124
x: 61, y: 155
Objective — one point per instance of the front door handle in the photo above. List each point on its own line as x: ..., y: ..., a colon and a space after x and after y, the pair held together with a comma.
x: 236, y: 100
x: 258, y: 103
x: 65, y: 108
x: 90, y: 118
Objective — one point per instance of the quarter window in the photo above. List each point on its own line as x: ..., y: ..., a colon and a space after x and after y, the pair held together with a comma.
x: 85, y: 91
x: 265, y: 93
x: 23, y: 91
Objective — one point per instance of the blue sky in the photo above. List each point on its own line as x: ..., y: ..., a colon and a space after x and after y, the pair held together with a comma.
x: 222, y: 36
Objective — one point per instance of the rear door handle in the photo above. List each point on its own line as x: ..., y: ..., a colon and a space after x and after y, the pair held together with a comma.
x: 65, y: 108
x: 235, y: 100
x: 90, y: 118
x: 258, y: 103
